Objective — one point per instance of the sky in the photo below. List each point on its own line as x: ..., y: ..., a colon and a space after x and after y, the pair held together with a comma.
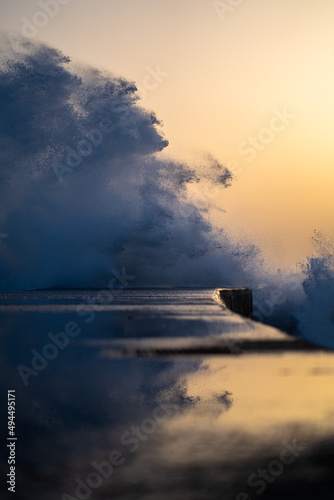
x: 248, y: 82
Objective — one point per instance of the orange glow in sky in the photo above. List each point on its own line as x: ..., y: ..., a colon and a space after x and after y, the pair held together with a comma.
x: 217, y: 76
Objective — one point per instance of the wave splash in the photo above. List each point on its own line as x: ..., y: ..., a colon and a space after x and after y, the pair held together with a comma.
x: 84, y: 192
x: 316, y: 316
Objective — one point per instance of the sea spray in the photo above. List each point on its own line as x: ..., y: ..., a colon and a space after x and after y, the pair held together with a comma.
x: 316, y: 316
x: 83, y: 191
x: 83, y: 188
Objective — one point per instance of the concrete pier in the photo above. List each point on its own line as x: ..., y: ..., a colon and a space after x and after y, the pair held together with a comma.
x: 238, y: 300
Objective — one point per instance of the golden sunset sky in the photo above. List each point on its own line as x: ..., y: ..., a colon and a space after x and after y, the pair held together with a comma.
x: 250, y: 82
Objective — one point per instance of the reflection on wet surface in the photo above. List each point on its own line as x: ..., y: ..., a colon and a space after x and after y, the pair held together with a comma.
x: 94, y: 425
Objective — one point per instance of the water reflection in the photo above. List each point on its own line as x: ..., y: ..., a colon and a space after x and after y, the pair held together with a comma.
x: 90, y: 425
